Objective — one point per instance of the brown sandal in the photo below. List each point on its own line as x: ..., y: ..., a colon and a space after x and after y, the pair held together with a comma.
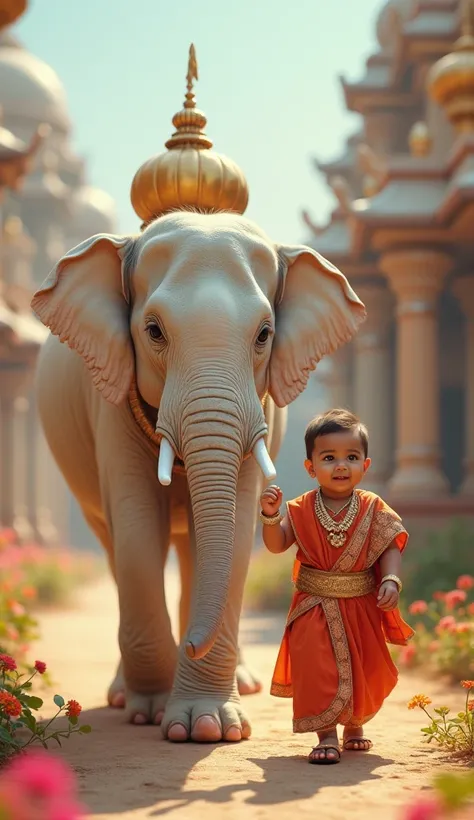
x: 324, y: 761
x: 348, y: 744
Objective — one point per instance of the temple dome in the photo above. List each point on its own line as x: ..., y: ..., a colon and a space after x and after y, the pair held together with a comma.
x: 93, y: 211
x: 29, y: 88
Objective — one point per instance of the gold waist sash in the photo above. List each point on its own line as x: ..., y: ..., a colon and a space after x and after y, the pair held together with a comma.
x: 335, y: 584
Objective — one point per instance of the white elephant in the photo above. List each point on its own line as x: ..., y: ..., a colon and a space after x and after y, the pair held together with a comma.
x: 196, y: 333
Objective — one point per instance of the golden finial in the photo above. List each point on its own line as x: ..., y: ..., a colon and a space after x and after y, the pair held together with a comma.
x: 190, y: 122
x: 419, y: 139
x: 451, y: 79
x: 189, y: 174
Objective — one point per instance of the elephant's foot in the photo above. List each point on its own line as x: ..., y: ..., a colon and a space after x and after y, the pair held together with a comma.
x: 141, y: 709
x: 116, y: 692
x: 247, y: 682
x: 205, y: 720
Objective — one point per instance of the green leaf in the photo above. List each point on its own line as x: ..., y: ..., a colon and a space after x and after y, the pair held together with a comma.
x: 85, y: 730
x: 59, y: 701
x: 32, y: 702
x: 30, y: 722
x: 73, y: 720
x: 5, y: 735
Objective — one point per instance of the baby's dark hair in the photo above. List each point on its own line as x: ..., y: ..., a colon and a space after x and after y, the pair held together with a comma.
x: 335, y: 421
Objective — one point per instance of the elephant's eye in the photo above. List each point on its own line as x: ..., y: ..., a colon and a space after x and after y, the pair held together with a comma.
x: 263, y: 336
x: 155, y: 332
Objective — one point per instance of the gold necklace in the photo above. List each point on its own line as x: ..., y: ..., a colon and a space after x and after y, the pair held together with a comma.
x: 337, y: 512
x: 336, y: 532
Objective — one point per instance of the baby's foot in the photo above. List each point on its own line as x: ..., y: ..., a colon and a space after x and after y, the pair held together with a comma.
x: 354, y: 741
x: 327, y: 751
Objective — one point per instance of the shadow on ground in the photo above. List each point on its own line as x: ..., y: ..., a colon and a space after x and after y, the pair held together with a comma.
x: 130, y: 768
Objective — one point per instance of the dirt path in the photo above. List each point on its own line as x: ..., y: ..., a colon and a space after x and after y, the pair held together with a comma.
x: 129, y: 772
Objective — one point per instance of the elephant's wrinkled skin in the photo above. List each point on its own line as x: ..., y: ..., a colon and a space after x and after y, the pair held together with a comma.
x: 208, y: 315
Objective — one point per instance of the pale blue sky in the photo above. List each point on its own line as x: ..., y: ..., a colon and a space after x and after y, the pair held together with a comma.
x: 268, y: 85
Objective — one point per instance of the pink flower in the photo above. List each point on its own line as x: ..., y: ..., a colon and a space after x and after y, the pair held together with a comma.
x: 455, y: 597
x: 423, y: 809
x: 37, y: 780
x: 465, y: 582
x: 40, y: 667
x: 446, y: 624
x: 418, y: 607
x: 439, y: 596
x: 407, y: 654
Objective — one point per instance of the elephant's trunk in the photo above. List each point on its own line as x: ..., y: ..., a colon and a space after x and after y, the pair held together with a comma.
x: 212, y: 451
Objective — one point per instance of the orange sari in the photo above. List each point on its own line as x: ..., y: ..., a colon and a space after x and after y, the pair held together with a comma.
x: 334, y: 660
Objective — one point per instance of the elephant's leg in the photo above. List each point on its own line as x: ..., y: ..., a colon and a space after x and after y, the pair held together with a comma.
x: 205, y: 705
x: 137, y: 510
x: 116, y: 690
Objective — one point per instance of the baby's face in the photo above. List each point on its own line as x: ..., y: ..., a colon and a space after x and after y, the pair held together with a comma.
x: 338, y: 462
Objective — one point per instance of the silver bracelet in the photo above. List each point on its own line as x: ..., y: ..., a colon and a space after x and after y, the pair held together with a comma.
x: 270, y: 520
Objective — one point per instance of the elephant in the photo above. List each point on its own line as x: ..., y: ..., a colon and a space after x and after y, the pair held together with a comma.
x: 184, y: 343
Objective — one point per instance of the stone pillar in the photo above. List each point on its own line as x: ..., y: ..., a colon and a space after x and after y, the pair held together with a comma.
x: 416, y: 277
x: 373, y: 401
x: 21, y: 469
x: 464, y: 291
x: 7, y: 458
x: 337, y: 378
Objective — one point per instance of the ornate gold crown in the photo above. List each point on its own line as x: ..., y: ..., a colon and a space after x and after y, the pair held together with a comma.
x: 189, y: 174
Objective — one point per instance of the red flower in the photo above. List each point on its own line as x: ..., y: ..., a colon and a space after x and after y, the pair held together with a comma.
x: 467, y: 684
x: 7, y: 663
x: 456, y: 596
x: 465, y: 582
x: 74, y: 708
x: 470, y: 609
x: 418, y: 607
x: 470, y: 705
x: 40, y: 667
x: 10, y: 704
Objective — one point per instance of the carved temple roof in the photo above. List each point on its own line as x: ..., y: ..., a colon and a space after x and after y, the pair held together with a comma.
x: 414, y: 156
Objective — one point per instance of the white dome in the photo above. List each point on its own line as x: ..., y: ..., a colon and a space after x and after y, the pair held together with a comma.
x: 93, y: 212
x: 29, y: 88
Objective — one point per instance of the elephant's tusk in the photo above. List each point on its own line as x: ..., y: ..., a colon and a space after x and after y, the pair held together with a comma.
x: 165, y: 462
x: 263, y: 460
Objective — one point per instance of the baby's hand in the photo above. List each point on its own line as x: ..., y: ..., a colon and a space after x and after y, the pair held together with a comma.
x: 388, y: 596
x: 270, y: 500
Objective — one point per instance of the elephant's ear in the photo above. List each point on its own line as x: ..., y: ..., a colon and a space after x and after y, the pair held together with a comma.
x: 82, y: 302
x: 318, y: 313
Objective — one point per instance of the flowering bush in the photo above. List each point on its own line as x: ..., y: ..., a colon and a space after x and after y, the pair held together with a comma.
x: 37, y: 785
x: 30, y: 577
x: 19, y: 728
x: 444, y: 630
x: 455, y: 734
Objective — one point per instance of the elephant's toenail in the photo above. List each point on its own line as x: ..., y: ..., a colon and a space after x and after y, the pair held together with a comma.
x: 139, y: 720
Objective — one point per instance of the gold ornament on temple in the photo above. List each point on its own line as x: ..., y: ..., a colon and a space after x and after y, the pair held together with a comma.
x: 419, y: 140
x: 451, y: 79
x: 336, y: 531
x: 11, y: 10
x: 188, y: 174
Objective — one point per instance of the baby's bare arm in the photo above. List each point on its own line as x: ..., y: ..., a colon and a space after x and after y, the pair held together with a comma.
x: 278, y: 538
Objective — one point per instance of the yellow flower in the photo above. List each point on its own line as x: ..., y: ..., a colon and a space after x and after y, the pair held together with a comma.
x: 420, y: 701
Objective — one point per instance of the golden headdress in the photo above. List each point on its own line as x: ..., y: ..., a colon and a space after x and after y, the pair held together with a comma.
x: 188, y: 174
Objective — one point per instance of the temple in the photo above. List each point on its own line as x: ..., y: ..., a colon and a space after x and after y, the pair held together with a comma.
x: 46, y: 207
x: 402, y: 231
